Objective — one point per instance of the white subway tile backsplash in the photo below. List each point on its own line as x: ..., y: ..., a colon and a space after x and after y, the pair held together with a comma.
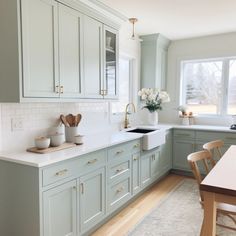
x: 39, y: 117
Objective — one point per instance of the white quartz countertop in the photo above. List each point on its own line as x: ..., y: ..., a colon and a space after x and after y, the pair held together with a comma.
x: 93, y: 143
x: 205, y: 127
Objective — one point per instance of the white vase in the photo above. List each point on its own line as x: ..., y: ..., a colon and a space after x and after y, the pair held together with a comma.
x: 153, y: 118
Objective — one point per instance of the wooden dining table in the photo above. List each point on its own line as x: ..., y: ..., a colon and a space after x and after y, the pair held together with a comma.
x: 218, y: 186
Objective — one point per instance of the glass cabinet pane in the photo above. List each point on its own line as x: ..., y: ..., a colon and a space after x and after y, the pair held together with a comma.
x: 110, y: 63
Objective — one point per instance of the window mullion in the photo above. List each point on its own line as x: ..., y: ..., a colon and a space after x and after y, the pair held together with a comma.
x: 225, y: 81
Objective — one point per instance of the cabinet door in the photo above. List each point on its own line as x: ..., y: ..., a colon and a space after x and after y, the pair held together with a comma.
x: 111, y: 61
x: 40, y: 48
x: 155, y: 164
x: 146, y: 169
x: 93, y: 73
x: 92, y: 198
x: 181, y: 149
x: 59, y: 210
x: 166, y: 154
x: 136, y: 173
x: 70, y: 52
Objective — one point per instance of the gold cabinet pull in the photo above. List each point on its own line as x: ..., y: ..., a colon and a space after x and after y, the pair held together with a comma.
x: 57, y: 89
x: 119, y: 170
x: 120, y: 189
x: 82, y: 188
x: 136, y: 145
x: 62, y: 89
x: 102, y: 92
x: 92, y: 161
x: 135, y: 158
x: 119, y: 152
x: 61, y: 172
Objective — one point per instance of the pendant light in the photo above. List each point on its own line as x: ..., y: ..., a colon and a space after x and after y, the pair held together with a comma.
x: 133, y: 21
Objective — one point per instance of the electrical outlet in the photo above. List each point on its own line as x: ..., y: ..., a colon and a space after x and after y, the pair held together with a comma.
x: 17, y: 124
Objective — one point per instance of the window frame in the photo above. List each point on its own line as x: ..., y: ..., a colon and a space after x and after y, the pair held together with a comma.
x: 131, y: 80
x: 225, y: 83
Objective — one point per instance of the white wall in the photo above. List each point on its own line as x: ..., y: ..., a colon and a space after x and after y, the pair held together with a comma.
x: 39, y: 117
x: 195, y: 48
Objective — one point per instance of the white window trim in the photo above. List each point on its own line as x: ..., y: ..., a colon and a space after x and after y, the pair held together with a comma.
x: 119, y: 116
x: 225, y: 80
x: 131, y: 80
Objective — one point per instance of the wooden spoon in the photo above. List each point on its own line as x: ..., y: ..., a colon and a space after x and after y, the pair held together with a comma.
x: 63, y: 120
x: 78, y: 119
x: 70, y: 120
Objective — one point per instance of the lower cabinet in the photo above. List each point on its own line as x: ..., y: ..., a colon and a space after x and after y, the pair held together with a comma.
x: 92, y: 199
x: 155, y: 163
x: 60, y: 210
x: 181, y: 149
x: 136, y: 180
x: 146, y: 170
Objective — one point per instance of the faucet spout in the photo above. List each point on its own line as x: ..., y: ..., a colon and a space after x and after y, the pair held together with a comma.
x: 126, y: 123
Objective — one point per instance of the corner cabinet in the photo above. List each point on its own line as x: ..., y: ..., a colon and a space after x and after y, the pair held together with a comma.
x: 59, y: 53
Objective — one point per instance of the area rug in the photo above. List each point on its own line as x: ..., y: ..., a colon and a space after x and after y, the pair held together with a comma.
x: 179, y: 214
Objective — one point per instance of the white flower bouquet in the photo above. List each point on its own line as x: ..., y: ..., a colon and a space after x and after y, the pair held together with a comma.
x: 153, y: 98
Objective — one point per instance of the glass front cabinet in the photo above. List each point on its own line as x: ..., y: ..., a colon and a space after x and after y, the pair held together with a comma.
x: 110, y: 81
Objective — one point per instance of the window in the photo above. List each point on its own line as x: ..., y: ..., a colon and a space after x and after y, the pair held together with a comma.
x: 125, y: 79
x: 209, y: 86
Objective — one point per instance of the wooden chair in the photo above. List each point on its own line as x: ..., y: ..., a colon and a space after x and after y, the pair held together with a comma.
x: 214, y: 147
x: 206, y: 157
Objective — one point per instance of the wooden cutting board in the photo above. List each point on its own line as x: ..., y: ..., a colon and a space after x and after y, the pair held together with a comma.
x: 51, y: 149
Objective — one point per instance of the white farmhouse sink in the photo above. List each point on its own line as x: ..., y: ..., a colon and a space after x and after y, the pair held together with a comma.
x: 152, y: 137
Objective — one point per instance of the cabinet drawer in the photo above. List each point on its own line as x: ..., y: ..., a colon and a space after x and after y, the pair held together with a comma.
x: 184, y: 134
x: 119, y: 170
x: 80, y: 165
x: 210, y: 136
x: 90, y: 161
x: 123, y: 150
x: 57, y: 173
x: 119, y: 193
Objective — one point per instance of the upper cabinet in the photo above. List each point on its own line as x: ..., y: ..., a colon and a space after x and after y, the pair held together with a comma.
x: 70, y: 52
x: 40, y: 48
x: 59, y: 52
x: 111, y: 57
x: 154, y: 49
x: 93, y: 75
x: 100, y: 60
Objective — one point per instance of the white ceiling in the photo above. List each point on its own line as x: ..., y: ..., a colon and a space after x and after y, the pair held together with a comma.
x: 179, y: 19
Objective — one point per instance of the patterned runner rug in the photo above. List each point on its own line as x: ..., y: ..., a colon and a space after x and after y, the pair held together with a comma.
x: 179, y: 214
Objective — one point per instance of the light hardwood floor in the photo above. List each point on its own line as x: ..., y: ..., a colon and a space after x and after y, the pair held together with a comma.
x: 126, y: 219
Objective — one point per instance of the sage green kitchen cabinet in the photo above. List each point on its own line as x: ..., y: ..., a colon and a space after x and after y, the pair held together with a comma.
x: 154, y: 49
x: 70, y: 52
x: 60, y: 210
x: 166, y: 154
x: 51, y: 50
x: 40, y: 48
x: 93, y: 58
x: 92, y: 199
x: 56, y: 51
x: 146, y: 169
x: 155, y: 163
x: 136, y: 177
x: 181, y: 149
x: 110, y: 83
